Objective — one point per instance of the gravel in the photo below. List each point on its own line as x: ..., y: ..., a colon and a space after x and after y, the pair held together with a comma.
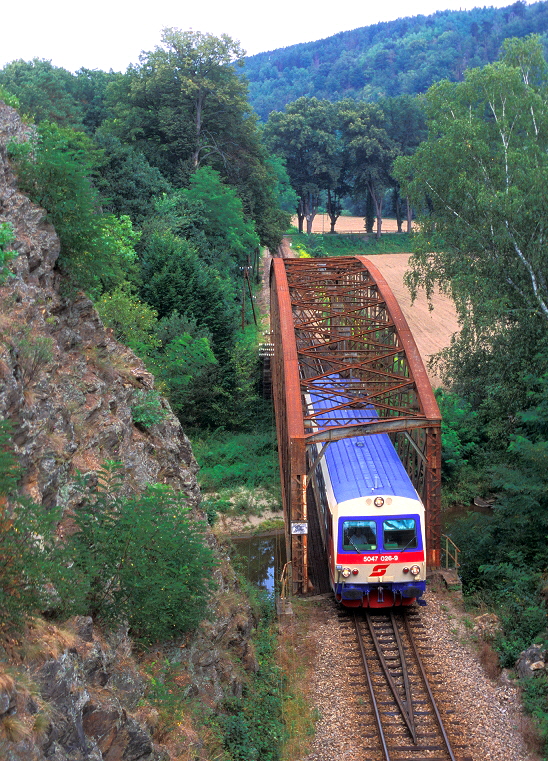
x: 489, y: 712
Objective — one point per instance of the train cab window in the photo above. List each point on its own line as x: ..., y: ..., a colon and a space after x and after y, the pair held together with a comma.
x: 359, y: 536
x: 399, y: 533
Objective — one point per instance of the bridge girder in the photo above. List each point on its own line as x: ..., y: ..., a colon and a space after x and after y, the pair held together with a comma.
x: 338, y: 317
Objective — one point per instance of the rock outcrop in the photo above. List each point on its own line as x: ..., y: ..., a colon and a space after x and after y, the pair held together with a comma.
x: 67, y: 386
x: 532, y: 661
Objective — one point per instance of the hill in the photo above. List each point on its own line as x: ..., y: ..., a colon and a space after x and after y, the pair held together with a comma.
x: 391, y: 58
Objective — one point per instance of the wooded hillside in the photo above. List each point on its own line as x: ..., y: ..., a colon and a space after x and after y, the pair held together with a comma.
x: 392, y: 58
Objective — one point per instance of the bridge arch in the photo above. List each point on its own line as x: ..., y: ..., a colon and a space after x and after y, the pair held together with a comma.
x: 337, y: 318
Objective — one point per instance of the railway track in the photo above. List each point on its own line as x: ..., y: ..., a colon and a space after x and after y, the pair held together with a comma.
x: 396, y: 691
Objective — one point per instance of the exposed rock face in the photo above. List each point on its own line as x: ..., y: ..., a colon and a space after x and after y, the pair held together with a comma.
x: 66, y: 385
x: 89, y: 691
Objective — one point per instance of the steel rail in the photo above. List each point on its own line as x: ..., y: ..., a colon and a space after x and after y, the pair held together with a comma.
x: 405, y: 706
x: 378, y: 721
x: 429, y: 691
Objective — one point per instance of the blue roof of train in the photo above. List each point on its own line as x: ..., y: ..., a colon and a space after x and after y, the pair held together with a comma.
x: 363, y: 465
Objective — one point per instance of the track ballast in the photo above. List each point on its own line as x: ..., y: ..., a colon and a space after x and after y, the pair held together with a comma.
x: 397, y: 693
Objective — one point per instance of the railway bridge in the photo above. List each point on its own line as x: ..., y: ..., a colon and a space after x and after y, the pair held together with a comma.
x: 338, y: 316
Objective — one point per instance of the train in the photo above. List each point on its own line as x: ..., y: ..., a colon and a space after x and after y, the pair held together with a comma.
x: 372, y: 520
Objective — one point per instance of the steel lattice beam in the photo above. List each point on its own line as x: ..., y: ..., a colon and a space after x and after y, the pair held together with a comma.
x: 338, y: 317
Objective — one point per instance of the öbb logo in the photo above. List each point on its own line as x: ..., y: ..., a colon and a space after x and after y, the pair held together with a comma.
x: 379, y: 570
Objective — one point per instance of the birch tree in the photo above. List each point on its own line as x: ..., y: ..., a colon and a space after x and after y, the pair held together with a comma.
x: 480, y: 180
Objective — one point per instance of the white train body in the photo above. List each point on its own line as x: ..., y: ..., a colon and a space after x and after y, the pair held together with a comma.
x: 372, y: 521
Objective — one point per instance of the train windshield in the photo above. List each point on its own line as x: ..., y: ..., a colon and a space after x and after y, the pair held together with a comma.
x: 359, y: 536
x: 399, y: 533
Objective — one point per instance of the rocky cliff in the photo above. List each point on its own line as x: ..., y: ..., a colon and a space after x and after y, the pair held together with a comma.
x: 66, y: 385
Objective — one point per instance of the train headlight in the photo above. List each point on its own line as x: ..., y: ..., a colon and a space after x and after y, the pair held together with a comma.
x: 346, y: 573
x: 415, y: 570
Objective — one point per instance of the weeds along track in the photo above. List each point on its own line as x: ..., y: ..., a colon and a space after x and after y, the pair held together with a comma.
x: 401, y: 703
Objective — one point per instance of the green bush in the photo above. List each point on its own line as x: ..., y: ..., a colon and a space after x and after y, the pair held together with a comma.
x: 56, y: 170
x: 132, y: 321
x: 141, y: 559
x: 30, y: 558
x: 138, y: 559
x: 146, y: 409
x: 237, y: 459
x: 251, y: 734
x: 8, y: 98
x: 535, y: 700
x: 353, y: 245
x: 33, y: 352
x: 6, y: 236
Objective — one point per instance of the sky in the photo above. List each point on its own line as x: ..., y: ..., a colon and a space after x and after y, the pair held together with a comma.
x: 110, y: 34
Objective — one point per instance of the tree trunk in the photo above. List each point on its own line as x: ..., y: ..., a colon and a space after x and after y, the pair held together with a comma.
x: 300, y: 214
x: 398, y: 209
x: 310, y: 203
x: 377, y: 203
x: 369, y: 213
x: 333, y: 211
x: 199, y: 107
x: 409, y: 215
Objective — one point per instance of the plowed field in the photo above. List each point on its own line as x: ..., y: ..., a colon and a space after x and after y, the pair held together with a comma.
x: 348, y: 224
x: 432, y: 331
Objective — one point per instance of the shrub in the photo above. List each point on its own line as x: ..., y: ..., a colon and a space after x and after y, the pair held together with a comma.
x: 8, y: 98
x: 30, y: 558
x: 147, y: 409
x: 242, y: 459
x: 132, y: 321
x: 33, y: 352
x: 56, y: 169
x: 6, y: 236
x: 535, y: 700
x: 141, y: 559
x: 251, y: 734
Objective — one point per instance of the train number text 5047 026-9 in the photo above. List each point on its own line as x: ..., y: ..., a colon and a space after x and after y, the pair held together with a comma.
x: 381, y: 558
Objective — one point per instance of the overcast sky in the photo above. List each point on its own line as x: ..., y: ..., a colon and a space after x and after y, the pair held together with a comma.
x: 110, y: 34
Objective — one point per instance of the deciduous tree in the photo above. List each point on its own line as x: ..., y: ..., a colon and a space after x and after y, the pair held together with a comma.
x: 305, y: 136
x: 370, y: 150
x: 480, y: 180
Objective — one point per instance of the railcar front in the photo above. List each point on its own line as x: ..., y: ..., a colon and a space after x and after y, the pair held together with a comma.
x: 379, y: 559
x: 372, y: 522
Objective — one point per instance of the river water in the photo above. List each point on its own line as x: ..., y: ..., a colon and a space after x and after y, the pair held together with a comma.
x: 260, y: 558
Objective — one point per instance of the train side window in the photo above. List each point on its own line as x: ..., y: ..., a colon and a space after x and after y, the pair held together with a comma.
x: 359, y: 536
x: 399, y: 533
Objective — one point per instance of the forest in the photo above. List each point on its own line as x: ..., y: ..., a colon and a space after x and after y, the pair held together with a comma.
x: 402, y: 57
x: 162, y: 194
x: 163, y: 187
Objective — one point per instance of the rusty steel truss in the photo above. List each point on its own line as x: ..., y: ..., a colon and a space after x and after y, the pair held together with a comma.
x: 338, y: 332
